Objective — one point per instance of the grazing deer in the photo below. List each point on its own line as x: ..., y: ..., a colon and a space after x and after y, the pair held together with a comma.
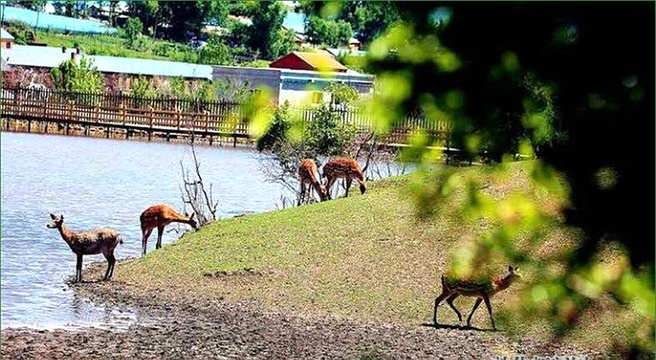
x: 346, y: 168
x: 159, y: 216
x: 310, y: 177
x: 483, y: 290
x: 88, y: 243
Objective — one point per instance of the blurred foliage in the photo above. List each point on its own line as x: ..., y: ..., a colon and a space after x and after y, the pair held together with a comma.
x: 550, y: 82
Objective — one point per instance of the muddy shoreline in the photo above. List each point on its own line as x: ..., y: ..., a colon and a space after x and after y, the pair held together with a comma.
x: 182, y: 327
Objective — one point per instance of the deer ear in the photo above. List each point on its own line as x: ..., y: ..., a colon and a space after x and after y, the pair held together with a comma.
x: 52, y: 216
x: 61, y: 217
x: 510, y: 268
x: 192, y: 215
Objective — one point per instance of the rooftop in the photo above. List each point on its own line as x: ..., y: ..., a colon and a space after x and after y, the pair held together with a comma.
x: 50, y: 57
x: 315, y: 60
x: 6, y: 35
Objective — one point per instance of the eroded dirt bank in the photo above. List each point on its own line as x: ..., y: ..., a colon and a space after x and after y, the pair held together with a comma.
x: 182, y: 327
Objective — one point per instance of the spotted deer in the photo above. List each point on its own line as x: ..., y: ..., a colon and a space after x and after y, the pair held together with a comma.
x: 88, y: 243
x: 159, y: 216
x: 309, y: 176
x: 345, y: 168
x: 483, y: 290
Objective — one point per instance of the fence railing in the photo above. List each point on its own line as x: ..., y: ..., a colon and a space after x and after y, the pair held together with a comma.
x: 161, y: 113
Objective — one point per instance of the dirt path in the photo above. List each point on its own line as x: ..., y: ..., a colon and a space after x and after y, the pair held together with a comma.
x: 186, y: 328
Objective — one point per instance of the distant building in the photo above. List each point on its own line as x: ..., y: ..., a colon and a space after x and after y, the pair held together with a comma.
x: 118, y: 71
x: 7, y: 39
x: 298, y: 87
x: 315, y: 61
x: 43, y: 20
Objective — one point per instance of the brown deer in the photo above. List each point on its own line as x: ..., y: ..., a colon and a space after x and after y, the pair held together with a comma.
x: 483, y: 290
x: 88, y: 243
x: 159, y: 216
x: 346, y: 168
x: 310, y: 177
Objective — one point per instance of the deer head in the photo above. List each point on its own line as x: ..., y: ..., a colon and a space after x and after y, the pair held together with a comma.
x: 55, y: 222
x: 323, y: 193
x: 512, y: 275
x: 363, y: 188
x: 192, y: 221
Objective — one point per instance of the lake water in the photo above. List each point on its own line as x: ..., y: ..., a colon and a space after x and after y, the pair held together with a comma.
x: 98, y: 183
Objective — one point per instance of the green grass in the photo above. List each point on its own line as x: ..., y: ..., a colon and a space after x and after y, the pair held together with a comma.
x: 114, y: 45
x: 365, y: 257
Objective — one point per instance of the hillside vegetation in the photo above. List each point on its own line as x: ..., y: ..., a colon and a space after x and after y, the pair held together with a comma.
x: 367, y: 257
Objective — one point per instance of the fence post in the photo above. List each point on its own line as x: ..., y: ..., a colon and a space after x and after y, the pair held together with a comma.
x: 179, y: 117
x: 96, y: 112
x: 207, y: 121
x: 121, y: 112
x: 150, y: 120
x: 70, y: 110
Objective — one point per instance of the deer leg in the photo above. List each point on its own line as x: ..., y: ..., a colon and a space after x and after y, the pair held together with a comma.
x: 302, y: 197
x: 476, y: 304
x: 329, y: 186
x: 489, y: 310
x: 438, y: 300
x: 78, y: 268
x: 144, y: 240
x: 110, y: 266
x: 348, y: 185
x: 449, y: 301
x: 160, y: 232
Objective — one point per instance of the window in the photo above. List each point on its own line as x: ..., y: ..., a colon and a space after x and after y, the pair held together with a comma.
x: 317, y: 97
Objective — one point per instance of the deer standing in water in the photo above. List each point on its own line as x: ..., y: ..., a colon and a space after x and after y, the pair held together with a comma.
x: 310, y: 177
x: 483, y: 290
x: 159, y: 216
x: 346, y: 168
x: 88, y: 243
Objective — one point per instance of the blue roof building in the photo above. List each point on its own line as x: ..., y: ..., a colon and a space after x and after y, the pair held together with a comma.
x: 42, y: 20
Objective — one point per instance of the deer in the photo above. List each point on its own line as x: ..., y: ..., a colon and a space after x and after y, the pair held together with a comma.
x: 346, y: 168
x: 88, y: 243
x: 483, y: 290
x: 159, y: 216
x: 310, y: 177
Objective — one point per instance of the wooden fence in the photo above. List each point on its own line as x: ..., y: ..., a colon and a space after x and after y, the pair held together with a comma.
x: 169, y: 116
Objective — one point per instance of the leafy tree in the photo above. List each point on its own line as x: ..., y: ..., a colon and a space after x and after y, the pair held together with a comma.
x: 215, y: 52
x: 184, y: 17
x: 329, y: 32
x: 72, y: 76
x: 148, y: 12
x: 372, y: 18
x: 368, y: 19
x: 133, y: 29
x: 265, y: 34
x: 216, y: 11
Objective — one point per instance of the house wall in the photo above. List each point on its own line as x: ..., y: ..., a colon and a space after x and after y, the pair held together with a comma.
x: 253, y: 78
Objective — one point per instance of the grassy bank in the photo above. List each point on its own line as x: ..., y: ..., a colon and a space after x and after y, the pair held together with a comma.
x: 113, y: 45
x: 365, y: 257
